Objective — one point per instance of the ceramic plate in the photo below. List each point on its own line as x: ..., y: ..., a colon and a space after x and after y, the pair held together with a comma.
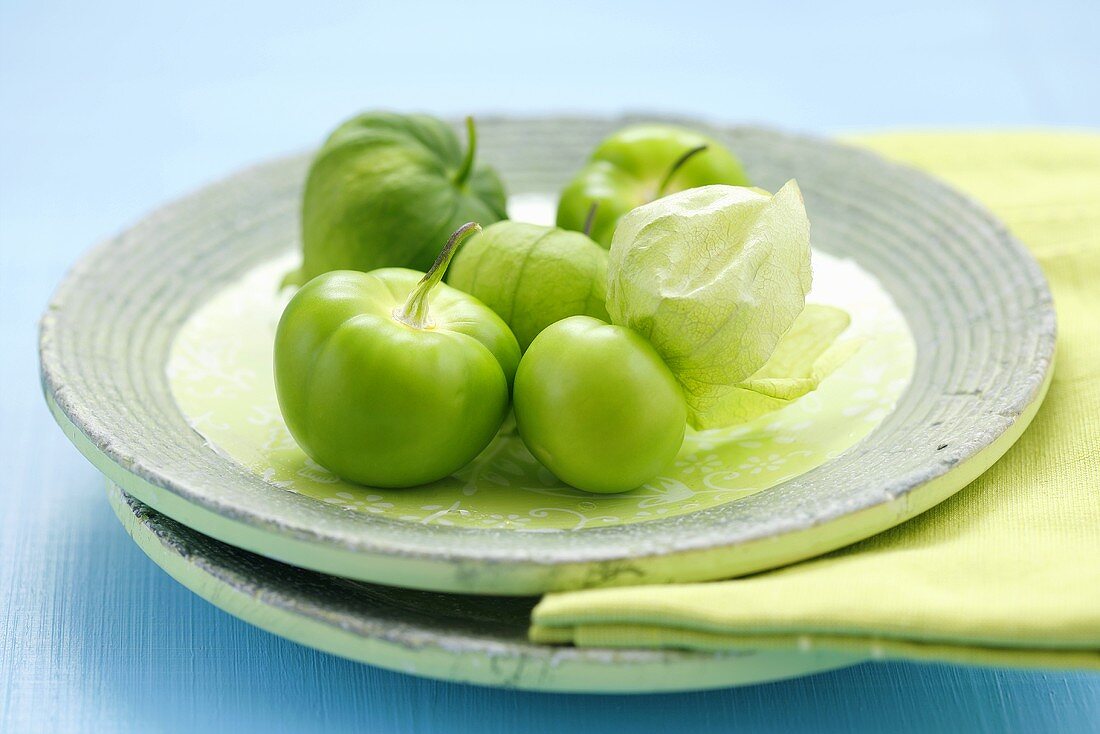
x: 471, y: 639
x: 156, y: 361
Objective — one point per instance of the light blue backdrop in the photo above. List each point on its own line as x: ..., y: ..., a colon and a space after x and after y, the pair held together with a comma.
x: 107, y: 109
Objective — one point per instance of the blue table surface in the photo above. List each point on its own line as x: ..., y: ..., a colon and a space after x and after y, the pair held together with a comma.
x: 107, y: 109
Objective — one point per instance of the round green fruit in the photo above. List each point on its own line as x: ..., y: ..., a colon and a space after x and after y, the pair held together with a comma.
x: 637, y: 165
x: 597, y: 406
x: 390, y: 378
x: 532, y: 276
x: 385, y: 189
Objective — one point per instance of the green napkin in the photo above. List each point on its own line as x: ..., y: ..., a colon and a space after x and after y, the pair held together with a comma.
x: 1007, y: 572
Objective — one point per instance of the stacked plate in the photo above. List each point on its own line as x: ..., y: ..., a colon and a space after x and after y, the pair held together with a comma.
x: 155, y: 359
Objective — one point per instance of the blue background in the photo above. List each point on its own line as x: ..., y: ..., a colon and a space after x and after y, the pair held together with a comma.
x: 107, y: 109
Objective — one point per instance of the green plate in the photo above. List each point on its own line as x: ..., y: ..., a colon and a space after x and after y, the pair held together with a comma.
x: 471, y: 639
x: 156, y: 361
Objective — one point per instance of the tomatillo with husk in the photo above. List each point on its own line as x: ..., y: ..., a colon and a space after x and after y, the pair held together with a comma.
x: 597, y: 406
x: 637, y: 165
x: 532, y: 275
x: 385, y: 189
x: 392, y: 378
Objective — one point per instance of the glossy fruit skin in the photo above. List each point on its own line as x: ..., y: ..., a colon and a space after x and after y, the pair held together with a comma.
x: 532, y: 276
x: 382, y: 192
x: 597, y: 406
x: 382, y: 403
x: 626, y: 170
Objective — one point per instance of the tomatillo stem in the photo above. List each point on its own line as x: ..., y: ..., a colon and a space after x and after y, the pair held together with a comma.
x: 677, y: 166
x: 471, y: 149
x: 590, y: 219
x: 415, y: 311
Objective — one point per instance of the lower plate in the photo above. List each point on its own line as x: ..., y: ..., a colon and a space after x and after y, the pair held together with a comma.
x: 471, y: 639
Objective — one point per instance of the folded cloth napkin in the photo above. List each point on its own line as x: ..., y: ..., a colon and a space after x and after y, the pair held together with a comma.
x: 1006, y: 572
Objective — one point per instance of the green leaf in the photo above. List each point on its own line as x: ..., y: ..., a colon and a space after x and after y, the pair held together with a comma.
x: 715, y: 277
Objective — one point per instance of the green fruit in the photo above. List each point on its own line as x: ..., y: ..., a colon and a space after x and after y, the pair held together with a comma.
x: 386, y: 189
x: 532, y: 276
x: 637, y: 165
x: 390, y: 378
x: 597, y: 406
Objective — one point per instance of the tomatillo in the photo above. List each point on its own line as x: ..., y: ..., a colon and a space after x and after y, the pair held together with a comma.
x: 391, y: 378
x: 637, y: 165
x: 533, y: 276
x: 597, y: 406
x: 385, y: 189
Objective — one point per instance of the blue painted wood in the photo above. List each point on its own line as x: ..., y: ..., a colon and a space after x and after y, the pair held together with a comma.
x: 110, y: 108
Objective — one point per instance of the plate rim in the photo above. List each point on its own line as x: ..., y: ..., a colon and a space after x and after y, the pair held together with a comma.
x: 465, y: 658
x: 435, y: 569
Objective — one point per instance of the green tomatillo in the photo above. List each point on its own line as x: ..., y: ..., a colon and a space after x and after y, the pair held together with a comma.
x: 597, y: 406
x: 392, y: 378
x: 532, y: 275
x: 637, y: 165
x: 385, y: 189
